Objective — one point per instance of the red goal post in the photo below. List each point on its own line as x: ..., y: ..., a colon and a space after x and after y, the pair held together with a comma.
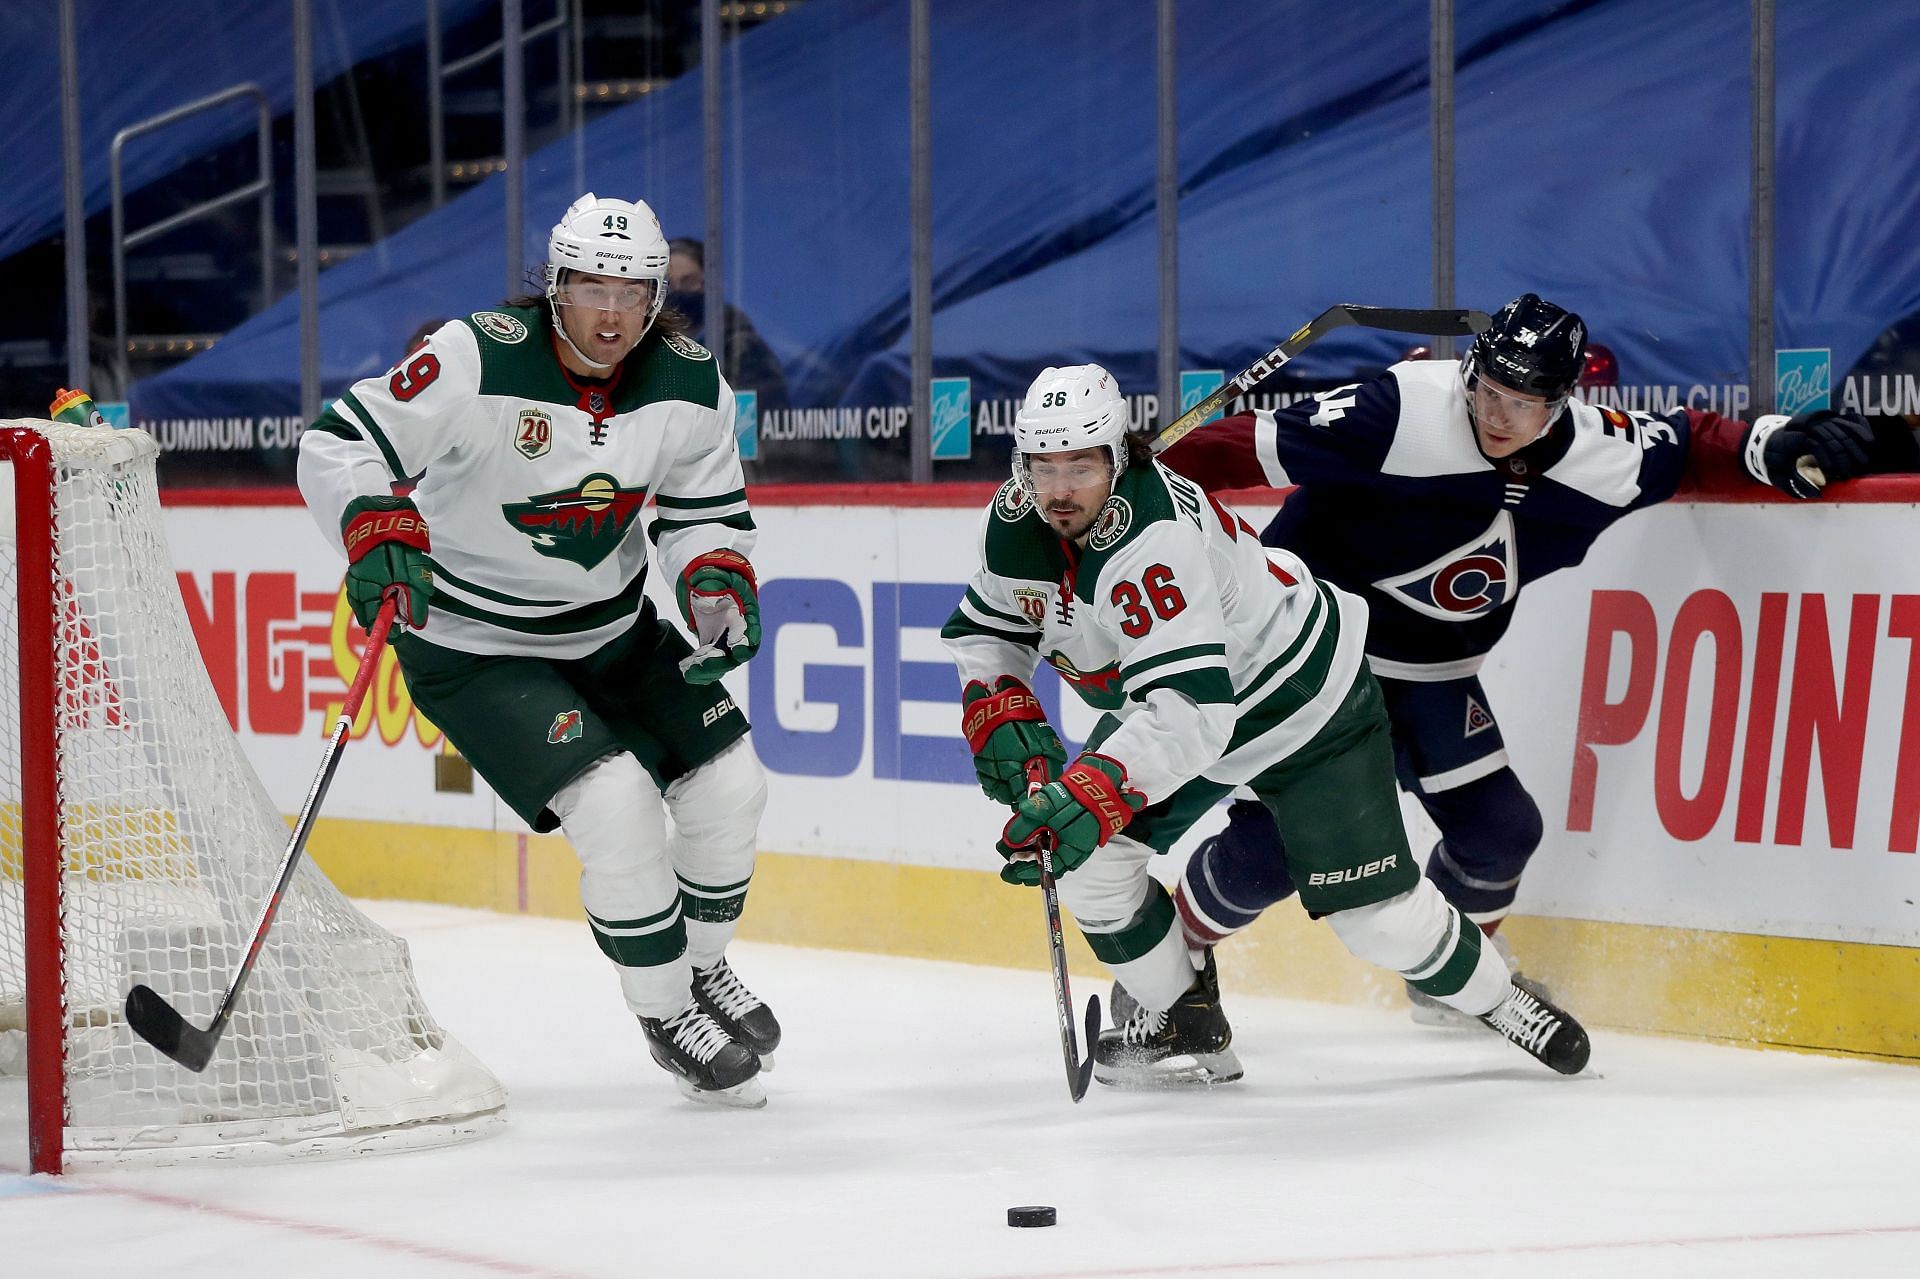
x: 136, y: 844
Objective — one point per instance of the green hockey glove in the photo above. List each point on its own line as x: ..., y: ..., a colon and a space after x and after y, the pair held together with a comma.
x: 719, y: 600
x: 1089, y: 805
x: 1006, y: 726
x: 387, y: 547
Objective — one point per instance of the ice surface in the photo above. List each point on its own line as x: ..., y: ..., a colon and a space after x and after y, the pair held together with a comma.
x: 915, y: 1102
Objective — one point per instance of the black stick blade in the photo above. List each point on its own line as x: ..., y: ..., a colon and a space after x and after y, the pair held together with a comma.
x: 1458, y: 323
x: 1084, y: 1075
x: 156, y: 1021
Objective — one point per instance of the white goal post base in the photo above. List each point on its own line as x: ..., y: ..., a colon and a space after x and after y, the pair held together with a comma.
x: 137, y: 846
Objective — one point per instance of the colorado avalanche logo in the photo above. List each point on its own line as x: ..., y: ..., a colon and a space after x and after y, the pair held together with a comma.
x: 1012, y: 502
x: 1468, y: 581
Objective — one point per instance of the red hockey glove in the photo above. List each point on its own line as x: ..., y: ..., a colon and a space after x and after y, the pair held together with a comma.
x: 387, y: 547
x: 1089, y: 805
x: 720, y: 602
x: 1005, y: 727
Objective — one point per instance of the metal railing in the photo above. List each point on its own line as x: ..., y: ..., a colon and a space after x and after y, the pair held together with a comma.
x: 261, y: 186
x: 564, y: 21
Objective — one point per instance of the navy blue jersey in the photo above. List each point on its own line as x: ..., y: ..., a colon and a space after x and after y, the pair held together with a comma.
x: 1396, y: 503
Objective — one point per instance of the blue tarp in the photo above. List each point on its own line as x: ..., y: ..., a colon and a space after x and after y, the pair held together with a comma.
x: 1602, y: 161
x: 1043, y: 145
x: 138, y: 59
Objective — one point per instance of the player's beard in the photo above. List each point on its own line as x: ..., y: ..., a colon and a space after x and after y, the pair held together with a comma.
x: 1076, y: 524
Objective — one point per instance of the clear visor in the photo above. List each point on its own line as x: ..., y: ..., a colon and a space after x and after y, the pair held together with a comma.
x: 1512, y: 410
x: 601, y: 293
x: 1044, y: 475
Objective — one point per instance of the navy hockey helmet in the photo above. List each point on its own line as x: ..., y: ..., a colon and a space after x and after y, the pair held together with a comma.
x: 1531, y: 346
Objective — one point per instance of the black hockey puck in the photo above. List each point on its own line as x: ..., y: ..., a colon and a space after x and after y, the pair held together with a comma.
x: 1031, y: 1215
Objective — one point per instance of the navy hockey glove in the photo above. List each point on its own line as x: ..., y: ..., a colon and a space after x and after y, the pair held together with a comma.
x: 1006, y: 727
x: 1088, y: 806
x: 1801, y: 455
x: 719, y: 600
x: 387, y: 547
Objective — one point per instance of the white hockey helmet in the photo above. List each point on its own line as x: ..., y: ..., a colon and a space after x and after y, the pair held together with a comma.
x: 598, y: 235
x: 1075, y: 407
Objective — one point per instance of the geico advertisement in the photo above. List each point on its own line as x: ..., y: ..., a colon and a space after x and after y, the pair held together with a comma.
x: 1719, y: 713
x: 1711, y: 710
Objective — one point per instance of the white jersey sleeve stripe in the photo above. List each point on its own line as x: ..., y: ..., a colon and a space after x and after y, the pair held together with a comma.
x: 1266, y: 446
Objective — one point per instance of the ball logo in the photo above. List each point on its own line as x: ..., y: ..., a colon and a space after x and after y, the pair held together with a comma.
x: 1115, y: 518
x: 500, y: 327
x: 1012, y: 502
x: 685, y: 346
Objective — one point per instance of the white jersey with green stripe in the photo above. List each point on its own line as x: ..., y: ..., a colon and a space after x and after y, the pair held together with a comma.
x: 533, y: 482
x: 1217, y: 656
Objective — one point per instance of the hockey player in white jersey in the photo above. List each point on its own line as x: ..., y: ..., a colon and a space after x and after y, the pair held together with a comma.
x: 539, y: 432
x: 1218, y: 664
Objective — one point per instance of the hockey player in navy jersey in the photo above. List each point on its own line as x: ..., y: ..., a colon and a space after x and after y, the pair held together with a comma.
x: 1435, y: 492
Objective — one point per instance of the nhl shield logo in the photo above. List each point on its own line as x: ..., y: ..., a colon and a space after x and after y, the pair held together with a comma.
x: 567, y: 727
x: 533, y: 436
x: 500, y: 326
x: 1115, y: 518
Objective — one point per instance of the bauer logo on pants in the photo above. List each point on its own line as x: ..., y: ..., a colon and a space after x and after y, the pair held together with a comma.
x: 567, y: 727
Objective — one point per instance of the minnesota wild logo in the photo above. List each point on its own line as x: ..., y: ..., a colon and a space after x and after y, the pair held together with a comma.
x: 567, y: 727
x: 1099, y: 689
x: 500, y: 326
x: 686, y: 346
x: 1115, y: 518
x: 583, y: 524
x: 1012, y: 501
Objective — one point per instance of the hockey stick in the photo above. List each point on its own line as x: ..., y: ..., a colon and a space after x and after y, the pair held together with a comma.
x: 1079, y: 1073
x: 151, y: 1016
x: 1455, y: 324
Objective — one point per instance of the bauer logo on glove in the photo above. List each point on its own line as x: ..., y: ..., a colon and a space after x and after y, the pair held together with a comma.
x: 1089, y: 805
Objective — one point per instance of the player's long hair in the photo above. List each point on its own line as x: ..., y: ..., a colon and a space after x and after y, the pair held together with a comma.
x: 671, y: 319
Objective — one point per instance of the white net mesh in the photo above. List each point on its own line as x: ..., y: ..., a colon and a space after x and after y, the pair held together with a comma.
x: 170, y: 845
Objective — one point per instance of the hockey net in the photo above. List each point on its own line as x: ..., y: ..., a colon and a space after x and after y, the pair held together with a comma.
x: 165, y: 844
